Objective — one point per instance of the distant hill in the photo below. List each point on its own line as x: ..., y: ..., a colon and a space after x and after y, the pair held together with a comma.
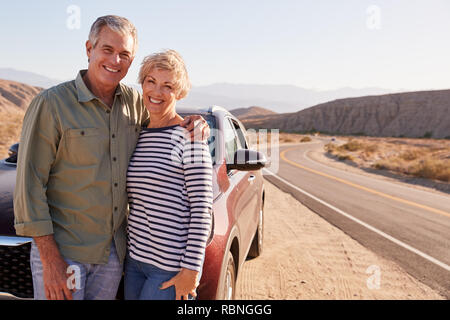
x: 16, y: 96
x: 410, y: 114
x: 14, y: 100
x: 251, y: 112
x: 30, y: 78
x: 278, y: 98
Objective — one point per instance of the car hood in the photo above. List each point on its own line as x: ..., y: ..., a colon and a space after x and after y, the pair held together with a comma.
x: 7, y: 183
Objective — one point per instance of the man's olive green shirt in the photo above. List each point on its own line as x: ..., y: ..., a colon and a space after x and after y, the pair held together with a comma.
x: 72, y: 166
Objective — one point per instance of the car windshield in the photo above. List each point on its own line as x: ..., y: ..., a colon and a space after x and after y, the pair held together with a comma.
x: 211, y: 120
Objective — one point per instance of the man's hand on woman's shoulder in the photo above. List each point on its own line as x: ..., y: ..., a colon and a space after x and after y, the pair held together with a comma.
x: 197, y: 127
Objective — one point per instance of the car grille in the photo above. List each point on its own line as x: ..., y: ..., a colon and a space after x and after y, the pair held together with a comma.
x: 15, y: 270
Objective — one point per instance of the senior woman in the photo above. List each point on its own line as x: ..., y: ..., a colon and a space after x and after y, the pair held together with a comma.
x: 169, y: 184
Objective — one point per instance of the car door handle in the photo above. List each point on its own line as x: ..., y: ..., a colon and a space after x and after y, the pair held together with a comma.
x: 251, y: 178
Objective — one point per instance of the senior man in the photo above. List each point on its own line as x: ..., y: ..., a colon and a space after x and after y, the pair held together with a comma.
x: 70, y: 194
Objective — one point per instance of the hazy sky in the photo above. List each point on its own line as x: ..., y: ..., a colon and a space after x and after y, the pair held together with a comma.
x: 328, y: 44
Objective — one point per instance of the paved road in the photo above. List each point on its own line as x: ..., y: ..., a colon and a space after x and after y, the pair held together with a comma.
x: 404, y: 224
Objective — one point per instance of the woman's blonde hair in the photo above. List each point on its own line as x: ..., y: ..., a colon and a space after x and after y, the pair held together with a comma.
x: 167, y: 60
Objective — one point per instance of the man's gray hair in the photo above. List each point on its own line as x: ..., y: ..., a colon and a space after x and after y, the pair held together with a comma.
x: 115, y: 23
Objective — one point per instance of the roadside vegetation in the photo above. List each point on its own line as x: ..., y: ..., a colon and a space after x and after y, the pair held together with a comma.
x: 263, y: 142
x: 293, y: 138
x: 283, y: 137
x: 424, y: 158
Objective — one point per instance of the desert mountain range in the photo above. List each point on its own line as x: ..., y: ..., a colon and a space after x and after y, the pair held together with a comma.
x: 251, y: 113
x: 15, y: 95
x: 278, y: 98
x: 410, y: 114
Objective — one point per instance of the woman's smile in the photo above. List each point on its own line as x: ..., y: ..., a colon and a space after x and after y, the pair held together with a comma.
x: 155, y: 101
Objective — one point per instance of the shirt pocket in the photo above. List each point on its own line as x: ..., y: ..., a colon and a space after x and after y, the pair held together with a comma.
x: 84, y: 146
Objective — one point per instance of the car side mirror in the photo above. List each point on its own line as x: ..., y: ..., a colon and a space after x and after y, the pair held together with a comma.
x: 247, y: 160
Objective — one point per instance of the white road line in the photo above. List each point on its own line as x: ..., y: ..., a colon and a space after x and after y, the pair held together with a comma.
x: 381, y: 233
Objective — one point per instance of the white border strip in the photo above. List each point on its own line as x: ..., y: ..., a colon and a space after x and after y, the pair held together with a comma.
x: 381, y: 233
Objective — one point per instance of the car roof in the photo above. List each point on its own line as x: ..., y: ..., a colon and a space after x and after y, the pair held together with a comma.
x: 214, y: 110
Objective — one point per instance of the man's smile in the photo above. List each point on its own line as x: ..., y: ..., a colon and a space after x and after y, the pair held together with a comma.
x: 111, y: 69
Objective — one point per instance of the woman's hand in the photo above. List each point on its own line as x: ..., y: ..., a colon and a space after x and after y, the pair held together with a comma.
x: 197, y: 127
x: 185, y: 282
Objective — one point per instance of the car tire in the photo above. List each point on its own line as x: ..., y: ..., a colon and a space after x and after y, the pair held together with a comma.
x: 256, y: 247
x: 229, y: 282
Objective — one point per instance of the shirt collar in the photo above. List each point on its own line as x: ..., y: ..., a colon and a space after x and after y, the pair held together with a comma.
x: 84, y: 94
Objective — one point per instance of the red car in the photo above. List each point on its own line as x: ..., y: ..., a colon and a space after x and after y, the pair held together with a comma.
x: 238, y: 213
x: 238, y: 204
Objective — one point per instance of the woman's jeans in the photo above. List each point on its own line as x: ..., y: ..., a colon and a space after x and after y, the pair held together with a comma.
x: 142, y: 281
x: 95, y: 281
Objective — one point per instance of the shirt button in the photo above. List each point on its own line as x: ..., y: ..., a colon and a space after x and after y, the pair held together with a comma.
x: 108, y: 111
x: 115, y: 208
x: 113, y: 135
x: 82, y: 133
x: 115, y: 184
x: 114, y: 159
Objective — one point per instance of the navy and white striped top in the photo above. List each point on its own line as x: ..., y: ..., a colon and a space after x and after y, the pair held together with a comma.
x: 169, y: 184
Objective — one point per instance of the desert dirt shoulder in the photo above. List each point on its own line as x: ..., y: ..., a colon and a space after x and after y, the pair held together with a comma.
x: 305, y: 257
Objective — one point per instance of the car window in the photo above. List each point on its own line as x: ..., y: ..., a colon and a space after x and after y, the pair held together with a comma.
x: 240, y: 134
x: 231, y: 142
x: 212, y: 140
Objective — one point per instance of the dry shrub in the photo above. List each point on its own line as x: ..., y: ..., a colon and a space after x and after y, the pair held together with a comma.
x: 285, y: 137
x: 351, y: 146
x: 393, y: 164
x: 338, y: 151
x: 344, y: 157
x: 380, y: 165
x: 371, y: 148
x: 428, y: 159
x: 330, y: 147
x: 427, y: 168
x: 305, y: 139
x: 432, y: 169
x: 410, y: 155
x: 342, y: 151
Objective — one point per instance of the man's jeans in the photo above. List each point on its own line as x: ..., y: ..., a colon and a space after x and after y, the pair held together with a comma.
x: 96, y: 281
